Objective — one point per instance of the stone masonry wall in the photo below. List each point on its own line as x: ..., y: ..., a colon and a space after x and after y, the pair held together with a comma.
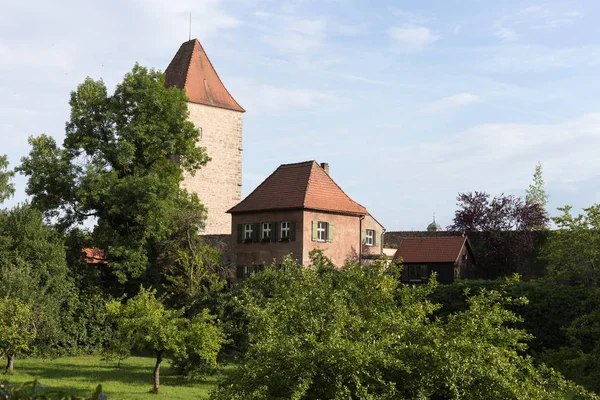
x: 219, y: 183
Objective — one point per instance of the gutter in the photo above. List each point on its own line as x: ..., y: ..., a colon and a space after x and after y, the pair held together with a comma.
x: 381, y: 244
x: 360, y: 238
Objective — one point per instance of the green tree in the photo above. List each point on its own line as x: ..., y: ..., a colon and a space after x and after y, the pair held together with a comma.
x: 121, y: 163
x: 536, y: 193
x: 145, y: 322
x: 573, y: 250
x: 6, y: 187
x: 33, y: 270
x: 17, y: 329
x: 357, y: 333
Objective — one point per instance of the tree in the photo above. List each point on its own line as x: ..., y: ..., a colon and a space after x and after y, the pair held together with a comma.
x: 357, y: 333
x: 6, y: 187
x: 121, y: 163
x: 144, y: 321
x: 33, y: 271
x: 536, y: 193
x: 17, y: 329
x: 573, y: 249
x: 502, y: 227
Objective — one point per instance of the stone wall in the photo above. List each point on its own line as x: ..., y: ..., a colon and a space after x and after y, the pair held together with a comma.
x: 219, y: 183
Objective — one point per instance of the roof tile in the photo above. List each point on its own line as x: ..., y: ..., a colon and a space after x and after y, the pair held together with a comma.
x: 430, y: 249
x: 302, y: 185
x: 191, y: 70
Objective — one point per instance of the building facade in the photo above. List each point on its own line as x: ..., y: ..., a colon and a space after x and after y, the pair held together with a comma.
x: 219, y: 118
x: 297, y: 209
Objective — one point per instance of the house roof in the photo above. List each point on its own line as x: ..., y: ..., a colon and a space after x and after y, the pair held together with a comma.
x: 430, y: 249
x: 95, y: 255
x: 191, y: 70
x: 302, y: 185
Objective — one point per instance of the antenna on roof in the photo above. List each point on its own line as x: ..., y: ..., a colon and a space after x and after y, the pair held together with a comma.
x: 190, y: 26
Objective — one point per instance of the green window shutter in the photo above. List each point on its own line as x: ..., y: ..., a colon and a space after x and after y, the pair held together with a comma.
x: 314, y: 231
x: 255, y: 232
x: 375, y: 234
x: 240, y: 233
x: 330, y: 233
x: 292, y: 230
x: 363, y: 237
x: 274, y: 231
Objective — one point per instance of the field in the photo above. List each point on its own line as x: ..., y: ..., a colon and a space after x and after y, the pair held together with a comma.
x: 133, y: 380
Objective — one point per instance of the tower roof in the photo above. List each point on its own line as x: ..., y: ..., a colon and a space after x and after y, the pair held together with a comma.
x: 191, y: 70
x: 303, y: 185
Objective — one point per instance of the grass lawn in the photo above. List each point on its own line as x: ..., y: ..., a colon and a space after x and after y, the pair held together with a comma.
x: 133, y: 380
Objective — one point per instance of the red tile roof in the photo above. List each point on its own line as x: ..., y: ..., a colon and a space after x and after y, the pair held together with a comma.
x: 95, y: 255
x: 302, y: 185
x: 430, y: 249
x: 191, y: 70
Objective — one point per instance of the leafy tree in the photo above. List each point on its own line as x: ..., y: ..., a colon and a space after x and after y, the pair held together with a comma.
x: 356, y: 332
x: 144, y: 321
x: 6, y: 187
x: 573, y: 250
x: 536, y: 193
x: 33, y: 270
x: 17, y: 329
x: 503, y: 227
x: 121, y: 163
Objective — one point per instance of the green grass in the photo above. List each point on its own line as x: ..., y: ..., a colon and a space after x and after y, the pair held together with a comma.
x: 133, y: 380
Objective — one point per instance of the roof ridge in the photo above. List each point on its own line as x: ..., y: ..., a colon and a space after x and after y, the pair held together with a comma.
x: 297, y: 163
x: 217, y: 74
x: 341, y: 190
x: 310, y: 174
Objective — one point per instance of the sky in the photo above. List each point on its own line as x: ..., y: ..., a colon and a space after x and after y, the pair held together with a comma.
x: 410, y: 102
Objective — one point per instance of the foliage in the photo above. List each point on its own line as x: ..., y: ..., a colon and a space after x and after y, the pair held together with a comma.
x: 145, y: 322
x: 121, y: 163
x: 17, y: 328
x: 6, y: 187
x: 573, y: 250
x: 355, y: 332
x: 561, y: 318
x: 506, y: 225
x: 35, y: 390
x: 33, y: 270
x: 536, y: 193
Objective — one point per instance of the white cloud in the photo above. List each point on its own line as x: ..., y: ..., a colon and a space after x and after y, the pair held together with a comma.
x: 538, y: 17
x: 413, y: 37
x: 451, y: 103
x: 265, y: 98
x: 500, y: 157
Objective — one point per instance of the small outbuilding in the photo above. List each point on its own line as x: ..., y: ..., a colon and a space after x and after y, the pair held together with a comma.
x: 449, y: 257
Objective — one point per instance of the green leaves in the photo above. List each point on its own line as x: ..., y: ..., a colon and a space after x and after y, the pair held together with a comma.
x: 356, y: 332
x: 6, y: 187
x: 573, y: 250
x: 121, y: 163
x: 17, y: 327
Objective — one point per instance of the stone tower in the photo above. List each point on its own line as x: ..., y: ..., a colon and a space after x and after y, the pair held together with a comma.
x: 219, y: 118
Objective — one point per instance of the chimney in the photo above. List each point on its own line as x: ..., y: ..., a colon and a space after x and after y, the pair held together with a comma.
x: 325, y: 166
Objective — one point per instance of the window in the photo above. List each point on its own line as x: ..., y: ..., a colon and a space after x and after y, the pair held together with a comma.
x: 248, y: 231
x: 370, y: 237
x: 285, y: 230
x: 322, y: 231
x: 418, y: 273
x: 266, y: 231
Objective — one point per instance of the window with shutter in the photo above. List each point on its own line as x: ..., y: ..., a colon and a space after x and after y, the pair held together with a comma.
x: 292, y: 230
x: 240, y: 233
x: 274, y: 231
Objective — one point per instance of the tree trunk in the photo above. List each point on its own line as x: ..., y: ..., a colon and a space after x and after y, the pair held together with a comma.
x: 157, y: 372
x: 10, y: 364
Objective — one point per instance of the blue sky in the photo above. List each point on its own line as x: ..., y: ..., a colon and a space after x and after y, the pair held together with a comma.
x: 409, y: 102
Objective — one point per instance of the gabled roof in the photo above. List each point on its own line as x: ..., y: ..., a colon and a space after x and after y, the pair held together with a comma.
x: 191, y: 70
x: 431, y: 249
x: 302, y: 185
